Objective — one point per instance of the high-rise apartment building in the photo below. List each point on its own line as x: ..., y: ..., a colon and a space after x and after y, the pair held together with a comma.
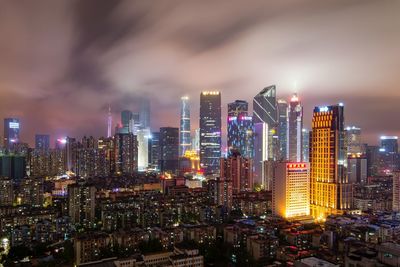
x: 6, y: 191
x: 126, y: 153
x: 210, y: 131
x: 81, y: 203
x: 239, y: 170
x: 169, y: 149
x: 265, y: 117
x: 42, y: 141
x: 295, y: 127
x: 11, y: 132
x: 331, y: 193
x: 291, y: 189
x: 240, y: 129
x: 396, y: 192
x: 184, y: 130
x: 283, y: 128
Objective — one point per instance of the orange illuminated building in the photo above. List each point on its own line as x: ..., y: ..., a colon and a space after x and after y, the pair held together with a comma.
x: 330, y: 191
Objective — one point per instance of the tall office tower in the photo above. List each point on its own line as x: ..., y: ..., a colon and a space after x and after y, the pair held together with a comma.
x: 240, y: 129
x: 154, y: 149
x: 372, y: 153
x: 81, y: 203
x: 396, y: 192
x: 13, y: 166
x: 144, y: 113
x: 283, y: 128
x: 143, y: 148
x: 6, y: 192
x: 169, y: 149
x: 210, y: 131
x: 265, y: 117
x: 353, y: 140
x: 11, y: 132
x: 331, y: 193
x: 126, y: 121
x: 357, y: 168
x: 306, y: 145
x: 196, y: 141
x: 31, y: 191
x: 184, y: 130
x: 135, y: 123
x: 291, y: 189
x: 109, y: 123
x: 42, y: 141
x: 126, y: 153
x: 389, y: 144
x: 239, y: 170
x: 295, y: 127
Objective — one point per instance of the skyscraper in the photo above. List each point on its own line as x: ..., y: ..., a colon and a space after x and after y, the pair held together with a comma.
x: 330, y: 191
x: 283, y: 128
x: 396, y: 192
x: 210, y: 131
x: 42, y: 141
x: 143, y: 148
x: 306, y: 145
x: 81, y: 203
x: 126, y: 116
x: 353, y: 140
x: 11, y: 131
x: 389, y: 144
x: 154, y: 149
x: 265, y: 117
x: 240, y: 129
x: 184, y: 130
x: 109, y: 122
x: 290, y: 194
x: 169, y: 149
x: 295, y: 126
x: 144, y: 113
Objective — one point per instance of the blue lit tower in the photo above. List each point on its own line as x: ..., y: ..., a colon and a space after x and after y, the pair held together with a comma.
x: 11, y: 131
x: 282, y: 128
x: 210, y: 131
x: 240, y: 129
x: 265, y: 117
x: 389, y: 144
x: 184, y: 131
x: 295, y: 127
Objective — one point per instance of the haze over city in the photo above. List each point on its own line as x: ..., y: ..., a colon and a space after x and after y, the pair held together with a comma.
x: 63, y: 62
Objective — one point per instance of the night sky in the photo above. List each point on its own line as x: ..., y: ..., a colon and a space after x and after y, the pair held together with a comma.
x: 63, y: 62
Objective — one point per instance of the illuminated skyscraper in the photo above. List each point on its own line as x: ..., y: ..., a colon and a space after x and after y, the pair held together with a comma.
x: 306, y: 145
x: 42, y: 141
x: 396, y: 192
x: 11, y: 131
x: 330, y: 191
x: 210, y: 131
x: 184, y: 130
x: 196, y: 141
x: 291, y: 189
x: 240, y: 129
x: 154, y: 149
x: 265, y: 117
x: 126, y: 117
x: 295, y: 126
x: 109, y: 122
x: 143, y: 148
x: 283, y: 128
x: 169, y: 149
x: 353, y: 140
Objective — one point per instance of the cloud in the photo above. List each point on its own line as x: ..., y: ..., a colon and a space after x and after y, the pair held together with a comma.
x: 63, y: 62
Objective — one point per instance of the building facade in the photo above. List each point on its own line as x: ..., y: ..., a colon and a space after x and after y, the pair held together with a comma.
x: 295, y: 127
x: 184, y: 130
x: 169, y: 149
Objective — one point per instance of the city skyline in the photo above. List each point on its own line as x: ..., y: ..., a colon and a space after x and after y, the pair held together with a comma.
x: 110, y: 55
